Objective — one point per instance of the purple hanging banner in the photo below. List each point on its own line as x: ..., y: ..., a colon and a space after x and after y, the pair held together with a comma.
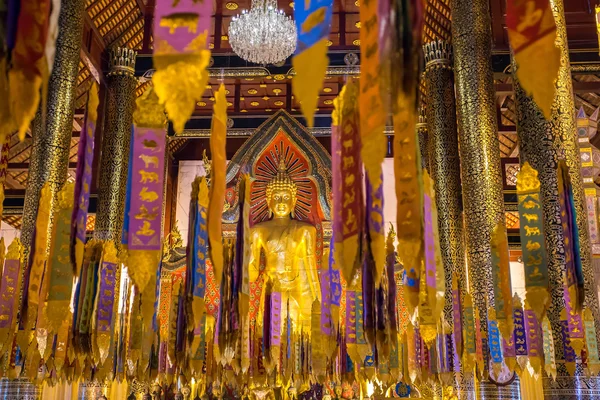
x: 351, y: 317
x: 275, y: 319
x: 181, y: 42
x: 146, y: 190
x: 83, y: 180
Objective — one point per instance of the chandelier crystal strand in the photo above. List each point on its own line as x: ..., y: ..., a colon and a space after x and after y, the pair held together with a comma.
x: 263, y: 35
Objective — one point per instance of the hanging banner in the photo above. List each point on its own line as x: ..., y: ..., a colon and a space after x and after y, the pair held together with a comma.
x: 313, y: 22
x: 494, y: 342
x: 532, y: 36
x: 29, y: 70
x: 218, y: 138
x: 533, y: 243
x: 520, y: 333
x: 502, y: 284
x: 143, y: 208
x: 409, y: 193
x: 373, y: 114
x: 548, y: 343
x: 197, y: 254
x: 591, y: 342
x: 534, y: 340
x: 106, y: 300
x: 59, y: 261
x: 434, y: 273
x: 83, y: 179
x: 574, y: 276
x: 9, y: 295
x: 458, y: 322
x: 181, y: 56
x: 470, y: 349
x: 575, y: 322
x: 37, y: 266
x: 568, y: 351
x: 508, y: 351
x: 374, y: 196
x: 348, y: 241
x: 145, y: 193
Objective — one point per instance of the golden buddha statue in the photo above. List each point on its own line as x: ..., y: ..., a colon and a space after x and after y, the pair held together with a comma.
x: 289, y: 247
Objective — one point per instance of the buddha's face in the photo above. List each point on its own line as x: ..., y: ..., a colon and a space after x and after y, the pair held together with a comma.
x: 282, y: 202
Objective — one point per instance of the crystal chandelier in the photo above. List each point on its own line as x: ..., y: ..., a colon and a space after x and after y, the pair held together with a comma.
x: 263, y: 35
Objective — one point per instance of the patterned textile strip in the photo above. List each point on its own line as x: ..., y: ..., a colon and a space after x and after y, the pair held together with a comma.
x: 83, y: 179
x: 470, y: 350
x: 313, y: 22
x: 495, y: 343
x: 197, y: 254
x: 348, y: 236
x: 568, y: 351
x: 35, y: 271
x: 181, y: 56
x: 502, y: 283
x: 9, y: 286
x: 548, y: 343
x: 533, y: 244
x: 458, y: 322
x: 520, y: 334
x: 107, y: 296
x: 575, y: 281
x: 59, y: 262
x: 375, y: 225
x: 534, y: 340
x: 591, y: 342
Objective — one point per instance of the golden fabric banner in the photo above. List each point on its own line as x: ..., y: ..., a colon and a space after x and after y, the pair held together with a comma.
x: 409, y: 193
x: 29, y: 68
x: 218, y: 138
x: 9, y: 299
x: 502, y: 284
x: 310, y: 67
x: 181, y: 56
x: 60, y: 269
x: 532, y: 36
x: 372, y: 111
x: 38, y: 265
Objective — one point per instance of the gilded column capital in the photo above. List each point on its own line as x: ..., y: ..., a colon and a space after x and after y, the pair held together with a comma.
x: 122, y: 61
x: 438, y: 54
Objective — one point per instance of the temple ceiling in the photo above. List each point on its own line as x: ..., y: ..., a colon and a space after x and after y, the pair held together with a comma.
x: 110, y: 23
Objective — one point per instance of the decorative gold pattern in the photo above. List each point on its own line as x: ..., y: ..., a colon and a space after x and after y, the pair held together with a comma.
x: 115, y: 148
x: 479, y: 147
x: 444, y: 164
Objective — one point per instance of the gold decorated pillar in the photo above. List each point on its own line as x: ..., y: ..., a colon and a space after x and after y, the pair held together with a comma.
x: 116, y: 138
x: 479, y: 148
x: 49, y: 160
x: 444, y: 163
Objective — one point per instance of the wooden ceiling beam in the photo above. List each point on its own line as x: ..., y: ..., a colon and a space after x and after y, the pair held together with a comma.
x: 114, y: 15
x: 506, y: 89
x: 92, y: 49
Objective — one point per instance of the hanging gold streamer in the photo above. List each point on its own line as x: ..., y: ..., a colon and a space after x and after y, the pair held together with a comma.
x: 310, y: 66
x: 59, y: 267
x: 409, y: 192
x: 38, y: 265
x: 10, y: 284
x: 372, y: 111
x: 218, y: 138
x: 502, y: 284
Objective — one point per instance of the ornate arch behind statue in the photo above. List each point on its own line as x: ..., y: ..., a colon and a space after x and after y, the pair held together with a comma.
x: 307, y: 162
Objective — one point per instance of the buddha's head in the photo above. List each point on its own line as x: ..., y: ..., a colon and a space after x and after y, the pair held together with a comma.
x: 281, y: 193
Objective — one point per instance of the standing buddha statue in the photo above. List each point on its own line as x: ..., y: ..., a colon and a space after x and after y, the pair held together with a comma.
x: 289, y: 247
